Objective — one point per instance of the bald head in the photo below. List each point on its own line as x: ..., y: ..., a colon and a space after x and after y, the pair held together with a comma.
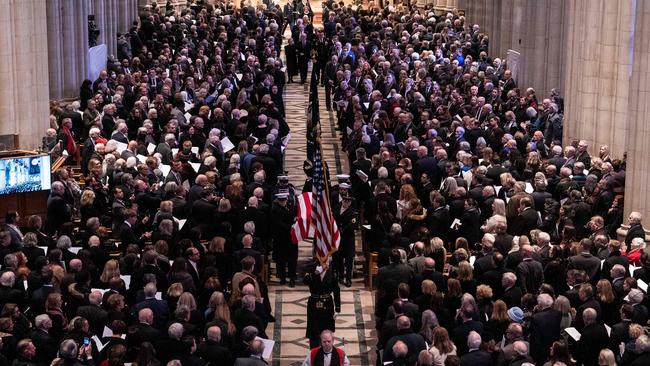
x: 76, y: 265
x: 95, y: 298
x: 214, y: 334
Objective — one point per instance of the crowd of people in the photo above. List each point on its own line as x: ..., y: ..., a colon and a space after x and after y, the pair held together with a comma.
x: 495, y: 243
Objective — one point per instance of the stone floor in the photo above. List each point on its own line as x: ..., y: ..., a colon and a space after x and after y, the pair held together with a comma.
x: 354, y: 325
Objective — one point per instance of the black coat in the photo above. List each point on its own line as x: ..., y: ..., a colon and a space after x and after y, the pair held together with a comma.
x: 476, y: 358
x: 544, y: 330
x: 593, y: 338
x: 292, y: 60
x: 214, y: 353
x: 58, y: 213
x: 635, y: 231
x: 460, y: 333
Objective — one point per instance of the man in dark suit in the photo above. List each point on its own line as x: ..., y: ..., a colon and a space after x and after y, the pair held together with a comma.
x: 620, y: 332
x: 544, y: 328
x: 388, y: 329
x: 475, y: 356
x: 593, y: 338
x: 128, y: 231
x: 512, y: 293
x: 586, y: 261
x: 439, y: 219
x: 636, y: 229
x: 37, y: 300
x: 255, y: 359
x: 212, y: 351
x: 93, y: 312
x: 144, y: 330
x: 413, y: 341
x: 173, y: 347
x: 303, y: 48
x: 529, y: 272
x: 58, y: 211
x: 149, y: 266
x: 44, y: 343
x: 158, y: 307
x: 8, y: 294
x: 428, y: 273
x: 526, y: 220
x: 460, y: 333
x: 246, y: 316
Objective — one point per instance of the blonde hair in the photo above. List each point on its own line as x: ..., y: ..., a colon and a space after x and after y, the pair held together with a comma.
x: 606, y: 358
x: 87, y: 197
x: 562, y: 305
x: 188, y: 300
x: 483, y: 292
x: 111, y: 269
x: 166, y: 206
x: 221, y: 310
x: 175, y: 290
x: 429, y: 287
x: 465, y: 272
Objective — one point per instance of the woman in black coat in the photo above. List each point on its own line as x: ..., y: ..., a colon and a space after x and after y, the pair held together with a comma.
x: 292, y: 60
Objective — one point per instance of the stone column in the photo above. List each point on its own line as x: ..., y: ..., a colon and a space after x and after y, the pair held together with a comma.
x: 637, y: 189
x: 113, y: 17
x: 24, y: 109
x: 67, y: 43
x: 598, y: 73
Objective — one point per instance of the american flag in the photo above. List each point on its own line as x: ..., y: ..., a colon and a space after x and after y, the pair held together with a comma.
x: 326, y: 232
x: 302, y: 228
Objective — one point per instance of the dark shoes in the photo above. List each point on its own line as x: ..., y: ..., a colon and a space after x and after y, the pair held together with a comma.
x: 292, y: 283
x: 348, y: 283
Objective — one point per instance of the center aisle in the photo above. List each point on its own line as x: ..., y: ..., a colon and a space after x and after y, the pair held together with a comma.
x: 355, y: 323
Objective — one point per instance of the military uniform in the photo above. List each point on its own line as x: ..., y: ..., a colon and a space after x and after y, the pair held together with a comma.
x: 285, y: 252
x: 321, y: 306
x: 343, y: 259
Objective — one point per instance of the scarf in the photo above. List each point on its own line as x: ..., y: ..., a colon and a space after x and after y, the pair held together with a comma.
x: 70, y: 147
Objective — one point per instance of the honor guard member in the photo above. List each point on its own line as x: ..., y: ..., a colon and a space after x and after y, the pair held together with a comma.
x: 347, y: 220
x: 321, y: 306
x: 285, y: 252
x: 308, y: 168
x: 284, y: 186
x: 342, y: 189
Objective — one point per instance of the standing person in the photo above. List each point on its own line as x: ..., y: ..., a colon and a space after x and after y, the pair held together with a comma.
x: 347, y: 220
x: 326, y: 353
x: 291, y: 55
x: 320, y: 306
x: 303, y: 49
x: 286, y: 253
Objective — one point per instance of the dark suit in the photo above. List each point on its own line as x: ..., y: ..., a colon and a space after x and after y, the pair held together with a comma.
x: 250, y: 361
x: 635, y: 231
x: 544, y: 330
x: 460, y: 333
x: 304, y: 54
x: 140, y: 333
x: 512, y: 296
x: 9, y: 295
x: 95, y: 315
x: 58, y: 213
x: 214, y: 353
x: 530, y: 275
x: 47, y: 346
x: 593, y: 338
x: 476, y: 358
x: 587, y: 262
x: 525, y: 222
x: 158, y: 307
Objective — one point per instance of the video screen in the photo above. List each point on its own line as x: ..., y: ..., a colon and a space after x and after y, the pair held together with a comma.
x: 25, y: 174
